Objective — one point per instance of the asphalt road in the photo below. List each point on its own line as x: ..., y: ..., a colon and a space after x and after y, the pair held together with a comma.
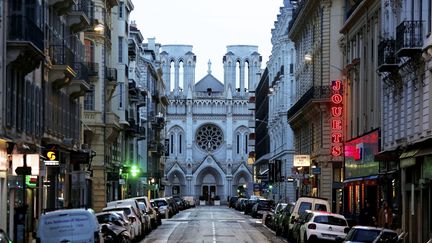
x: 212, y: 224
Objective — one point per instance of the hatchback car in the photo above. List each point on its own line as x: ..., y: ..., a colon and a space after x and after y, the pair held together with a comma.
x: 321, y: 226
x: 359, y: 234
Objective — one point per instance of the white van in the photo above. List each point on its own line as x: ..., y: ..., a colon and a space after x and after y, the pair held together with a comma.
x: 307, y: 203
x: 69, y: 225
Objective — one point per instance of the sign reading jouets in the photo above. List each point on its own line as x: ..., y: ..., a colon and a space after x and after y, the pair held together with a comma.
x: 336, y: 118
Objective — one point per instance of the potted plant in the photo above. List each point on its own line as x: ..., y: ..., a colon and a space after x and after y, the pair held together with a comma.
x: 217, y: 200
x: 202, y: 200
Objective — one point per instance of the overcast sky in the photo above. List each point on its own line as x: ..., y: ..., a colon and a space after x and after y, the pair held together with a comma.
x: 209, y: 26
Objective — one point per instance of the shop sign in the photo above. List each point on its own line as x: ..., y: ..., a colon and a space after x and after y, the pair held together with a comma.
x: 360, y: 155
x: 301, y: 160
x: 52, y: 156
x: 336, y: 118
x: 31, y: 159
x: 316, y: 170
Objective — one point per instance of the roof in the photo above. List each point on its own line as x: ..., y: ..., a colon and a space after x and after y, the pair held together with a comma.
x: 209, y: 81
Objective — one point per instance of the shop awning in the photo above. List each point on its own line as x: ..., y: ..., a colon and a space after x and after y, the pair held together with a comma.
x: 262, y: 159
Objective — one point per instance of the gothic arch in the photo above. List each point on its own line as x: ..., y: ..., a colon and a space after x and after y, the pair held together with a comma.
x: 177, y: 180
x: 241, y: 177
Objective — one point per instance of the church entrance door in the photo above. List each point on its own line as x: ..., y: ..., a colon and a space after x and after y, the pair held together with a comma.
x: 209, y: 192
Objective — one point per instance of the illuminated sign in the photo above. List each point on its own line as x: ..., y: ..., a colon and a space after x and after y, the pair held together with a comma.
x: 3, y: 160
x: 32, y: 160
x: 301, y: 160
x: 51, y: 154
x: 336, y: 118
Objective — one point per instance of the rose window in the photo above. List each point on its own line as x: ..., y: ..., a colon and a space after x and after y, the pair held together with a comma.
x: 209, y: 137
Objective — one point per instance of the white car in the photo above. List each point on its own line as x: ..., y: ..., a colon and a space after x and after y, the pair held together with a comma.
x: 135, y: 219
x: 319, y: 226
x: 359, y: 234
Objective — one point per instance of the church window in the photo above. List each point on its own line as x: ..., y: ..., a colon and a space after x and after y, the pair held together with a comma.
x: 237, y: 77
x: 172, y: 143
x: 120, y: 49
x: 247, y: 75
x: 238, y: 143
x: 180, y: 143
x: 181, y: 76
x: 246, y: 144
x: 209, y: 137
x: 172, y: 76
x: 121, y: 9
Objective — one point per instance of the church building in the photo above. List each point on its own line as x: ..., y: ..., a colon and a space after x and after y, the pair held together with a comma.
x: 208, y: 141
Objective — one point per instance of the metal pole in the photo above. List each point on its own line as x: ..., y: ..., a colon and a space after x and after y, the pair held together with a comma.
x: 24, y: 197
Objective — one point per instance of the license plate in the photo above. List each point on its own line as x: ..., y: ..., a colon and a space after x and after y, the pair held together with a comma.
x: 328, y: 235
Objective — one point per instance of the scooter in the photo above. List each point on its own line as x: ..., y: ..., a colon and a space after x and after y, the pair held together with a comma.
x: 115, y: 232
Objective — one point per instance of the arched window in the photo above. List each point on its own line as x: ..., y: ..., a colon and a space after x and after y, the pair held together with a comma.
x: 181, y: 76
x: 237, y: 76
x: 180, y: 141
x: 238, y: 143
x: 172, y: 76
x: 247, y: 76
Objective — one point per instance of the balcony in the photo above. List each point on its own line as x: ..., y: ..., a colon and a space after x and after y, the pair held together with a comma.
x: 61, y: 71
x: 93, y: 69
x: 409, y: 38
x: 113, y: 126
x: 111, y: 81
x: 78, y: 17
x: 387, y: 60
x: 79, y: 85
x: 133, y: 127
x: 25, y: 43
x: 132, y: 50
x: 314, y: 94
x: 158, y: 122
x: 61, y: 6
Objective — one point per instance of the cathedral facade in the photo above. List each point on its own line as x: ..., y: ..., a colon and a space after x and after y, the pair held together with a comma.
x: 208, y: 138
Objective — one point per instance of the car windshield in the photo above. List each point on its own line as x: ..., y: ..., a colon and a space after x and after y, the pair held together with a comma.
x: 362, y: 235
x: 161, y: 203
x: 108, y: 217
x: 126, y: 210
x: 327, y: 219
x: 304, y: 206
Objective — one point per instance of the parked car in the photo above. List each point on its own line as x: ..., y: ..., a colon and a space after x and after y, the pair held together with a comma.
x: 173, y: 205
x: 272, y: 217
x: 321, y: 226
x: 146, y: 206
x: 113, y: 228
x: 137, y: 221
x: 125, y: 219
x: 261, y: 207
x: 158, y: 214
x: 143, y: 216
x: 370, y: 234
x: 282, y: 220
x: 306, y: 203
x: 240, y: 204
x: 190, y: 200
x: 68, y: 225
x: 164, y: 207
x: 295, y: 231
x: 232, y: 201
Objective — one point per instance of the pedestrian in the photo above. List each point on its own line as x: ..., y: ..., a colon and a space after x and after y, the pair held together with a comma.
x: 367, y: 215
x: 385, y: 216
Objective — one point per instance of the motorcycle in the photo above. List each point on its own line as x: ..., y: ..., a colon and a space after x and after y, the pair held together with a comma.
x: 115, y: 232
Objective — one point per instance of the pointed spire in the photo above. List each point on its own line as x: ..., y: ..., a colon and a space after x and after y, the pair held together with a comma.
x: 209, y: 67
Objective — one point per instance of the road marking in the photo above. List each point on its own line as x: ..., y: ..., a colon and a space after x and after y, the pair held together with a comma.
x: 214, y: 231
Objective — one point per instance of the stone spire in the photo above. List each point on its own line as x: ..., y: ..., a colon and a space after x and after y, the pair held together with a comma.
x: 209, y: 67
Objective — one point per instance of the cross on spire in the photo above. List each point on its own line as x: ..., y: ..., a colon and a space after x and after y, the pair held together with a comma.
x: 209, y: 67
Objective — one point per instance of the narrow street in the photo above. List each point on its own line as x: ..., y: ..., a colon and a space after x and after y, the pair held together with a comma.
x: 212, y: 224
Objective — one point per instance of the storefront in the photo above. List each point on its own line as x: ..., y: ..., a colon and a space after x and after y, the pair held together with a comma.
x: 4, y: 164
x: 361, y: 175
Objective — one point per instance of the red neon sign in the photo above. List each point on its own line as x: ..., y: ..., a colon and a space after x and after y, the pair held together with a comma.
x: 336, y: 118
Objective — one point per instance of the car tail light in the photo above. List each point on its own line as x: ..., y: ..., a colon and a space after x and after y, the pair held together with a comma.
x: 346, y: 230
x: 312, y: 226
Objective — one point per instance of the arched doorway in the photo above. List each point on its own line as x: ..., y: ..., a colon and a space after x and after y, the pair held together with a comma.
x: 209, y: 184
x: 241, y: 184
x: 178, y: 184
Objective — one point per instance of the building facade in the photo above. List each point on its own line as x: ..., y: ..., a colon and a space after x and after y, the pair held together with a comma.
x: 362, y: 92
x: 404, y: 63
x: 207, y: 123
x: 281, y: 97
x: 315, y: 29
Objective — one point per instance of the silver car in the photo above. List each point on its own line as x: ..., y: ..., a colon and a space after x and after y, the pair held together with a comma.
x: 359, y: 234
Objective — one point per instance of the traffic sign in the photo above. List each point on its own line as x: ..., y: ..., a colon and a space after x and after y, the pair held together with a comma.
x: 23, y: 170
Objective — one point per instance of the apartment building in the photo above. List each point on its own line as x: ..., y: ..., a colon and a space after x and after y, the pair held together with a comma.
x: 314, y: 29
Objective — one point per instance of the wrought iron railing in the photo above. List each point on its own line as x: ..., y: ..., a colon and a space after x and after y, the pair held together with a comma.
x: 111, y: 74
x: 61, y: 55
x: 22, y: 28
x: 93, y: 68
x: 314, y: 93
x: 386, y: 52
x: 83, y: 6
x: 409, y: 34
x: 81, y: 70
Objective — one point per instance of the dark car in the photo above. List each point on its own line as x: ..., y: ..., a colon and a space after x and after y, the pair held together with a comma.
x: 249, y: 204
x: 173, y: 205
x: 240, y: 204
x: 259, y: 208
x: 273, y: 216
x: 232, y: 201
x: 282, y: 220
x: 295, y: 232
x: 370, y: 234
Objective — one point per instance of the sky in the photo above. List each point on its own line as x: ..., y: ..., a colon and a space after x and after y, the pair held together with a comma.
x: 209, y: 26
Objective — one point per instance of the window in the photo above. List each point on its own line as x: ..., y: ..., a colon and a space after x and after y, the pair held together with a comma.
x: 121, y: 10
x: 89, y: 100
x: 209, y: 137
x: 246, y: 144
x: 121, y: 96
x: 320, y: 207
x: 238, y: 143
x: 180, y: 143
x: 172, y: 143
x: 120, y: 49
x: 304, y: 206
